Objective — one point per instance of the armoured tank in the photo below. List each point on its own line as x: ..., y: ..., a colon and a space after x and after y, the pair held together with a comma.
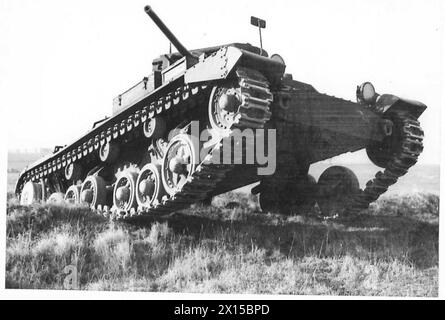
x: 150, y: 157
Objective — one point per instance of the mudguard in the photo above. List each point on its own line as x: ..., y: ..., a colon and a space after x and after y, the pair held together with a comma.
x: 222, y: 62
x: 390, y: 103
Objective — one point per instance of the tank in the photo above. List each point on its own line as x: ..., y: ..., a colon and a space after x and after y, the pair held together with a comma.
x: 205, y: 121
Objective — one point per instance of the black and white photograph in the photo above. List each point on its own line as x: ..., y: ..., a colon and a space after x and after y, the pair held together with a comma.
x: 203, y: 149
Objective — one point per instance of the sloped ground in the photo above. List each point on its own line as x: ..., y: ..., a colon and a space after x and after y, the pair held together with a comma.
x: 231, y: 247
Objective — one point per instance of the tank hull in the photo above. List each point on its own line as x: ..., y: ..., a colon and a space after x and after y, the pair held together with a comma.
x: 144, y: 159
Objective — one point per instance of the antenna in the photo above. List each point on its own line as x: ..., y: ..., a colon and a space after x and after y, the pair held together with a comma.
x: 261, y: 24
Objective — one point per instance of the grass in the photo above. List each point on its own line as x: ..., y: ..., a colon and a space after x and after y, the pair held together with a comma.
x: 230, y: 247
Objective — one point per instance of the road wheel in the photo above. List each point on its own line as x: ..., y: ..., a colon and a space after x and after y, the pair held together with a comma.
x: 179, y: 163
x: 56, y: 198
x: 149, y: 187
x: 124, y: 193
x: 336, y: 186
x: 31, y: 193
x: 72, y: 195
x: 93, y: 191
x: 287, y: 196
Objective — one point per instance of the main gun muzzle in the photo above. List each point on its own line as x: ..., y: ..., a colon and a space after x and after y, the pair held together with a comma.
x: 182, y: 50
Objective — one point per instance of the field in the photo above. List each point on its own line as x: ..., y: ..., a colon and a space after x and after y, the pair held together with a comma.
x: 390, y: 250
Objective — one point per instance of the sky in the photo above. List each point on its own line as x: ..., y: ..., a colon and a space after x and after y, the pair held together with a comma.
x: 62, y: 62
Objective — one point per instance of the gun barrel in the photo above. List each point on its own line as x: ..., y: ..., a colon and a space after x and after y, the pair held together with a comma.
x: 178, y: 45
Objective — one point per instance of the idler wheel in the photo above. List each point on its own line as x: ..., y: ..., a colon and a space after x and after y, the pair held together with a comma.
x: 380, y: 153
x: 31, y: 193
x: 149, y: 186
x: 72, y: 195
x: 93, y: 191
x: 155, y: 128
x: 109, y: 152
x: 124, y: 193
x: 179, y: 163
x: 336, y: 186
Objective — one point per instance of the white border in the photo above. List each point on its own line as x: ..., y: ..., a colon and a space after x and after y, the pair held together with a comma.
x: 78, y: 295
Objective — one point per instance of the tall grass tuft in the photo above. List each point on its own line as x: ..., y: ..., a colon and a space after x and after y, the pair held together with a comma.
x: 230, y: 247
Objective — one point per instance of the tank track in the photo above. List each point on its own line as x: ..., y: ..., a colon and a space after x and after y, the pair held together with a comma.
x: 411, y: 145
x: 254, y: 112
x: 125, y: 125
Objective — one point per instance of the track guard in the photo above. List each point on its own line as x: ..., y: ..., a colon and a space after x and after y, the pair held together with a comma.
x: 215, y: 67
x: 388, y: 103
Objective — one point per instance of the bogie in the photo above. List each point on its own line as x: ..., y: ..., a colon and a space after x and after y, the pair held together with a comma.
x: 31, y: 193
x: 93, y: 191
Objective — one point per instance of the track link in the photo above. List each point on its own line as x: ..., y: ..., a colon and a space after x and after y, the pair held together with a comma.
x: 408, y: 149
x: 254, y: 112
x: 411, y: 145
x: 183, y: 97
